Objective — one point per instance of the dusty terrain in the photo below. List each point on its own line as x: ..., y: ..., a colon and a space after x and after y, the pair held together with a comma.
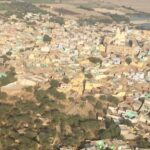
x: 142, y: 5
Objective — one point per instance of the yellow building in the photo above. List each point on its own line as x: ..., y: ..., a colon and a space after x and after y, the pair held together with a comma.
x: 120, y: 37
x: 76, y: 84
x: 102, y: 48
x: 89, y: 86
x: 31, y: 56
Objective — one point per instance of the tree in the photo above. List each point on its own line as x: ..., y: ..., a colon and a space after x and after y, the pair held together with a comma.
x: 54, y: 83
x: 128, y: 60
x: 47, y: 38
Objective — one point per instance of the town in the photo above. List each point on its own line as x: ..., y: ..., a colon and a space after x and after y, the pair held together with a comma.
x: 69, y: 86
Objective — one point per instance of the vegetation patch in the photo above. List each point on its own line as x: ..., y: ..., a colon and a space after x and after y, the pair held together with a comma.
x: 58, y: 20
x: 20, y: 8
x: 93, y: 20
x: 86, y: 8
x: 9, y: 78
x: 65, y: 11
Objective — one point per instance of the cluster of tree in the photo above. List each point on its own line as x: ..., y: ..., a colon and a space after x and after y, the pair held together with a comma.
x: 58, y: 20
x: 112, y: 130
x: 53, y: 90
x: 44, y: 94
x: 22, y: 127
x: 112, y: 99
x: 81, y: 129
x: 119, y: 18
x: 93, y: 20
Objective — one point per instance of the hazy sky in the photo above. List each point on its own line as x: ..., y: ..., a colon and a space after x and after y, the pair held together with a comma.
x: 143, y: 5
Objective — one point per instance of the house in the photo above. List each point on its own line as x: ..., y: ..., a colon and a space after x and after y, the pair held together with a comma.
x: 116, y: 61
x: 45, y: 49
x: 120, y: 37
x: 130, y: 115
x: 148, y: 76
x: 26, y: 82
x: 138, y: 76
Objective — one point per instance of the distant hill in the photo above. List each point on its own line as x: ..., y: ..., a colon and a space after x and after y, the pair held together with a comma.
x: 141, y: 5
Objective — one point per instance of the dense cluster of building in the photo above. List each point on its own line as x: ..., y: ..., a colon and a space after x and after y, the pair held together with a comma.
x: 109, y: 60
